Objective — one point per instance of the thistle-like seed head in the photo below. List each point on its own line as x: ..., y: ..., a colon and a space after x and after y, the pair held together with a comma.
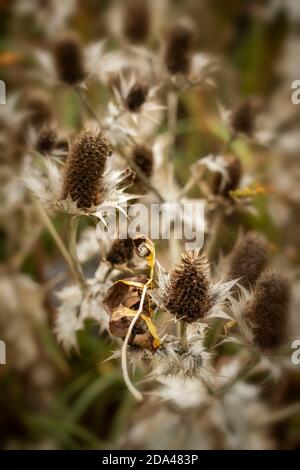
x: 121, y: 251
x: 178, y: 49
x: 39, y: 109
x: 249, y: 258
x: 242, y: 119
x: 84, y: 168
x: 136, y: 97
x: 137, y: 20
x: 188, y: 292
x: 234, y: 171
x: 46, y: 140
x: 267, y: 311
x: 69, y: 59
x: 143, y: 158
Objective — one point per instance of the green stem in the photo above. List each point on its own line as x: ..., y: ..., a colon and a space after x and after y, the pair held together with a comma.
x: 183, y: 335
x: 60, y: 244
x: 73, y: 227
x: 83, y: 99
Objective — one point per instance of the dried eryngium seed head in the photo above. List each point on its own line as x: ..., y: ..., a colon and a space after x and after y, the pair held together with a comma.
x: 136, y: 97
x: 69, y: 59
x: 143, y: 159
x: 242, y: 118
x: 137, y: 19
x: 234, y: 171
x: 178, y: 49
x: 188, y: 293
x: 249, y: 258
x: 39, y: 109
x: 267, y: 312
x: 84, y: 168
x: 46, y: 140
x: 121, y: 251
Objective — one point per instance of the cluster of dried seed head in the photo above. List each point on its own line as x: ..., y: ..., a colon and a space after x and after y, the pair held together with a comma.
x: 136, y: 97
x: 69, y: 59
x: 188, y: 293
x: 242, y: 118
x: 234, y: 172
x: 46, y: 140
x: 121, y: 251
x: 179, y: 48
x: 267, y: 312
x: 84, y: 168
x: 249, y: 258
x: 143, y: 159
x: 137, y: 20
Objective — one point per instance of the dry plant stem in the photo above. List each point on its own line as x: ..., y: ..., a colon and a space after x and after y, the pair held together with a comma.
x: 183, y: 335
x: 141, y: 175
x: 52, y: 283
x: 172, y: 105
x: 83, y: 99
x: 248, y: 366
x: 214, y: 234
x: 60, y: 244
x: 127, y: 380
x: 73, y: 227
x: 18, y: 258
x: 277, y: 416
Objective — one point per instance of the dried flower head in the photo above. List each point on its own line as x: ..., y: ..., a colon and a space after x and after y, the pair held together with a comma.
x: 39, y: 109
x: 143, y: 159
x: 46, y: 140
x: 136, y: 97
x: 188, y: 296
x: 85, y: 166
x: 234, y: 173
x: 121, y: 251
x: 249, y: 258
x: 69, y: 59
x: 242, y: 118
x: 267, y: 311
x: 136, y: 20
x: 178, y: 49
x: 120, y: 301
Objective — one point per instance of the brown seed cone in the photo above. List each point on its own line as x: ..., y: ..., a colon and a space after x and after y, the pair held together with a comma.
x: 234, y: 169
x: 69, y: 59
x: 178, y: 49
x: 143, y: 159
x: 187, y: 296
x: 137, y: 19
x: 249, y: 258
x: 267, y: 312
x: 242, y: 119
x: 136, y: 97
x: 46, y: 140
x: 121, y: 251
x: 84, y: 168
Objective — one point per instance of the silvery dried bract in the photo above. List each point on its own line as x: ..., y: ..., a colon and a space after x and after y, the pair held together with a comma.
x: 173, y: 360
x: 77, y: 306
x: 134, y: 100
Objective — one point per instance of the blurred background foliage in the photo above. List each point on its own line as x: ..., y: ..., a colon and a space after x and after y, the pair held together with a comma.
x: 80, y: 402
